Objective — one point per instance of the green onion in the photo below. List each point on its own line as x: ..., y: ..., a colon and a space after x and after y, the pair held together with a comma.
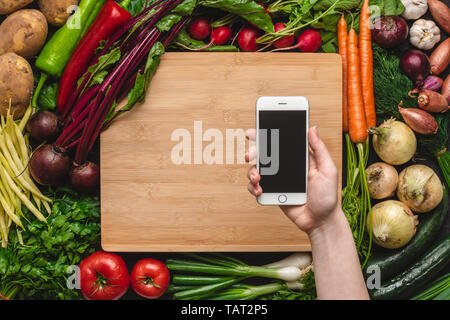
x: 439, y: 286
x: 286, y: 273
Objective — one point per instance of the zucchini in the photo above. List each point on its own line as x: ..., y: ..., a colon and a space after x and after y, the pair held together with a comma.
x: 407, y: 283
x: 392, y: 262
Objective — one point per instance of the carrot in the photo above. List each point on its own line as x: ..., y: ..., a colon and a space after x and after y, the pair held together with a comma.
x: 366, y: 60
x: 356, y: 114
x: 342, y: 43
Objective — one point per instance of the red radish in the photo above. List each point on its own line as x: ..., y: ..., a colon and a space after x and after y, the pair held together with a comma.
x: 308, y: 41
x: 199, y: 28
x: 284, y: 42
x: 219, y: 36
x: 247, y: 39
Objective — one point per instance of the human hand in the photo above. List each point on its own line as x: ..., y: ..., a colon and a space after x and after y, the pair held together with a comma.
x: 322, y: 200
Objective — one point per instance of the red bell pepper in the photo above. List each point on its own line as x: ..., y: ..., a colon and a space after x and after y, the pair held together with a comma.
x: 111, y: 17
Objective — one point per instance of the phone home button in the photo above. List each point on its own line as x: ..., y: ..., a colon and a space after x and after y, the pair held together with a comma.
x: 282, y: 198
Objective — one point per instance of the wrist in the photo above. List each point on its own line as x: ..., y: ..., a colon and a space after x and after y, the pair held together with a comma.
x: 332, y: 224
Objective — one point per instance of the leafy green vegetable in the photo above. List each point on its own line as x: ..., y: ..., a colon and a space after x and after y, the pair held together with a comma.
x: 246, y: 9
x: 38, y: 269
x: 48, y: 97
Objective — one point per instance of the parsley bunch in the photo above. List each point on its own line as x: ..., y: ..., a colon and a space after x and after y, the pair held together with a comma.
x: 38, y: 268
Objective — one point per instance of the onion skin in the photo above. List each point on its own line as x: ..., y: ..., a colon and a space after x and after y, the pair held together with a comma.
x: 419, y: 120
x: 49, y: 165
x: 382, y: 180
x: 415, y: 65
x: 440, y: 13
x: 445, y: 91
x: 433, y: 83
x: 43, y: 126
x: 432, y: 101
x: 86, y: 177
x: 389, y: 31
x: 393, y: 224
x: 394, y: 142
x: 440, y: 58
x: 419, y: 188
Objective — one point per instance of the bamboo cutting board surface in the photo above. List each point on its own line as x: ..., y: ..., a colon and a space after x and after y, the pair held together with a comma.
x: 151, y: 204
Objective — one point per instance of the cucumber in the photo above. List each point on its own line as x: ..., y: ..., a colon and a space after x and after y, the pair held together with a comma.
x: 392, y: 262
x: 407, y: 283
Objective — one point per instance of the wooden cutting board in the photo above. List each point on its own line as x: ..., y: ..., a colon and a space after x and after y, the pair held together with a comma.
x: 149, y: 203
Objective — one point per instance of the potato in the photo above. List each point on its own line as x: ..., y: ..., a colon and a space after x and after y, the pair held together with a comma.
x: 8, y: 6
x: 16, y: 84
x: 24, y: 32
x: 56, y: 10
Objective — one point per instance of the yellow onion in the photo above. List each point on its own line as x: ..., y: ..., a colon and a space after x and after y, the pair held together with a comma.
x: 393, y: 224
x: 419, y: 188
x: 394, y: 142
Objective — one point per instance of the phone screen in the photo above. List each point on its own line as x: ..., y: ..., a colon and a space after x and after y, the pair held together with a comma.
x: 282, y: 151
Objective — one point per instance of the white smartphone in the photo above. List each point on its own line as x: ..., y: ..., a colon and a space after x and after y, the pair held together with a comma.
x: 282, y: 149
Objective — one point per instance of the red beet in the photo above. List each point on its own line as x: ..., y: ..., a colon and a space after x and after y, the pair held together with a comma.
x: 43, y: 126
x: 49, y: 165
x: 86, y: 177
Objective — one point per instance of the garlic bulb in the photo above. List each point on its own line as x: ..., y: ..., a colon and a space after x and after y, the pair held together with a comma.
x: 393, y: 224
x: 414, y: 9
x: 424, y: 34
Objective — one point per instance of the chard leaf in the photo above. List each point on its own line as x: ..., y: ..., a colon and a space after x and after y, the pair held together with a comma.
x: 247, y: 9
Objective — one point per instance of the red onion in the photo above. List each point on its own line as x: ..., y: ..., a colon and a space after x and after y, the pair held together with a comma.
x: 432, y: 83
x: 389, y: 31
x: 415, y: 65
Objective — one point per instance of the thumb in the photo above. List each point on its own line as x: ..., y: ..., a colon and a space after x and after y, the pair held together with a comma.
x: 320, y: 152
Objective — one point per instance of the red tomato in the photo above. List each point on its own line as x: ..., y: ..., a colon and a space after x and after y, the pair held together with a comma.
x: 150, y: 278
x: 104, y: 276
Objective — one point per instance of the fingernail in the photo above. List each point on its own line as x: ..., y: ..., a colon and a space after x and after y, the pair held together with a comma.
x: 252, y: 177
